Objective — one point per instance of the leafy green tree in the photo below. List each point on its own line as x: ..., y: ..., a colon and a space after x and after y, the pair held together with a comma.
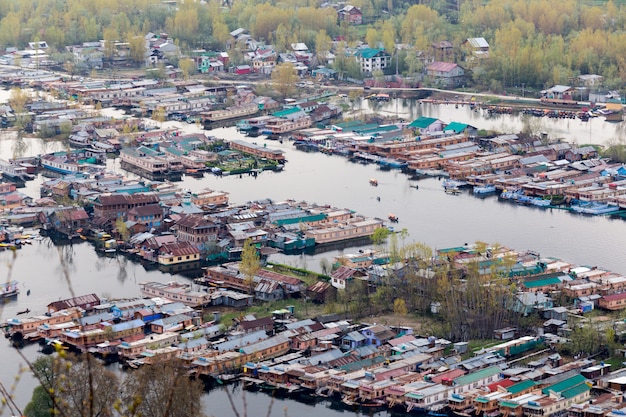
x: 250, y: 263
x: 40, y: 404
x: 284, y: 77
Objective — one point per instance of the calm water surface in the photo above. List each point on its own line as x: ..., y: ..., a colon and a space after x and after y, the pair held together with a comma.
x: 428, y: 214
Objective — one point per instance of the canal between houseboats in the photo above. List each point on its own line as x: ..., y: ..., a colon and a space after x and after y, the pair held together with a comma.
x: 427, y: 213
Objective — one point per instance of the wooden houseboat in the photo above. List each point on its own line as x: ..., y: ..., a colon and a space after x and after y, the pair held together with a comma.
x: 175, y: 291
x: 230, y: 113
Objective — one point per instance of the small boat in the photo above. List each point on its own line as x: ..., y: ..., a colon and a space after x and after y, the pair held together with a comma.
x: 453, y: 191
x: 373, y: 182
x: 23, y: 312
x: 540, y: 202
x: 484, y: 189
x: 393, y: 218
x: 453, y: 184
x: 9, y: 289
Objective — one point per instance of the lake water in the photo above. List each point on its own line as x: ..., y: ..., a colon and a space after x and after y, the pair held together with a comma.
x: 428, y: 214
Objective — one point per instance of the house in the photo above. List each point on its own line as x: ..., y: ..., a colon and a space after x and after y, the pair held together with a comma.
x: 84, y: 302
x: 445, y: 73
x: 177, y: 253
x: 377, y: 334
x: 173, y: 323
x: 150, y: 216
x: 528, y: 302
x: 559, y: 92
x: 320, y: 292
x: 350, y: 14
x: 353, y: 340
x: 68, y: 220
x: 266, y: 290
x: 243, y: 69
x: 590, y: 80
x: 478, y: 47
x: 613, y: 301
x: 250, y: 326
x: 443, y: 50
x: 578, y: 154
x: 114, y: 206
x: 196, y: 229
x: 372, y: 59
x: 426, y: 125
x: 340, y: 277
x: 457, y: 128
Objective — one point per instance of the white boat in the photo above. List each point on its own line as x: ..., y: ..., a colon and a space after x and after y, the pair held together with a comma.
x: 9, y: 289
x: 540, y: 202
x: 451, y: 184
x: 595, y: 208
x: 484, y: 189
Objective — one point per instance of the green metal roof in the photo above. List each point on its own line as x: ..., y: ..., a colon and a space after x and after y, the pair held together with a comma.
x: 456, y: 127
x: 477, y: 376
x: 365, y: 363
x: 422, y: 122
x: 369, y: 52
x: 350, y: 124
x: 414, y: 395
x: 301, y: 219
x: 287, y: 112
x: 576, y: 391
x: 541, y: 282
x: 521, y: 386
x: 388, y: 128
x: 565, y: 384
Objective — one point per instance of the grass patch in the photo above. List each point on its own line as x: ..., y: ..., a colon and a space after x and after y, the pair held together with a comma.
x: 301, y: 310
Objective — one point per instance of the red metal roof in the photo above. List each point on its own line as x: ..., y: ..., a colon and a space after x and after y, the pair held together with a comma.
x: 505, y: 383
x: 613, y: 297
x: 442, y: 66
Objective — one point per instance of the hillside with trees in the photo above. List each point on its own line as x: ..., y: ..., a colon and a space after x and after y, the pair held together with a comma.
x: 533, y: 43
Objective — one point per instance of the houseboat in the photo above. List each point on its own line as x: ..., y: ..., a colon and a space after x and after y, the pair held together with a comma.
x: 61, y: 163
x: 151, y: 163
x: 175, y: 291
x: 230, y: 113
x: 14, y: 173
x: 278, y: 126
x: 26, y: 328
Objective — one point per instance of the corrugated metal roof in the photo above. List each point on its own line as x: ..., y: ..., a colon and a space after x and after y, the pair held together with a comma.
x: 478, y: 375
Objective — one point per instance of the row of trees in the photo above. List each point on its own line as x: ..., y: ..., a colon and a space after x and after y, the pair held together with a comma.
x: 534, y: 43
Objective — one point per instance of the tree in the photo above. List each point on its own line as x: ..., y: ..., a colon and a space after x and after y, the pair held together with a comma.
x: 161, y: 389
x: 40, y: 404
x: 18, y: 100
x: 379, y: 236
x: 187, y: 66
x: 76, y: 385
x: 250, y: 263
x: 323, y: 44
x: 122, y: 229
x: 284, y: 77
x: 158, y: 115
x: 137, y: 47
x: 399, y: 307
